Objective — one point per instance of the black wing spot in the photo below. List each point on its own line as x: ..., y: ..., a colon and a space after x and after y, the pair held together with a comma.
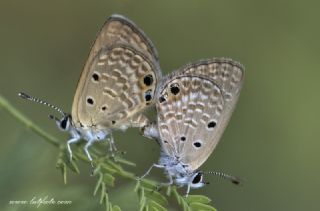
x: 148, y: 80
x: 113, y: 122
x: 162, y: 99
x: 174, y: 88
x: 165, y: 141
x: 90, y: 101
x: 148, y: 95
x: 183, y: 138
x: 95, y: 77
x: 103, y: 108
x: 212, y: 124
x: 197, y: 144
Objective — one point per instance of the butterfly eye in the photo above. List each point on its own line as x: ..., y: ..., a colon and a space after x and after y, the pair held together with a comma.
x: 64, y: 123
x: 174, y: 89
x: 197, y: 178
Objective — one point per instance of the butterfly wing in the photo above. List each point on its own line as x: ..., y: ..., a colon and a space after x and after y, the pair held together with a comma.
x: 194, y: 108
x: 119, y: 78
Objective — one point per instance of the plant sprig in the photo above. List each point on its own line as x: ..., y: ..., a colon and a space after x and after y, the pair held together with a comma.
x: 107, y: 169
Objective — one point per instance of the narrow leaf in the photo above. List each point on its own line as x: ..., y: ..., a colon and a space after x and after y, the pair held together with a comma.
x: 199, y: 206
x: 98, y: 184
x: 157, y: 197
x: 103, y: 192
x: 198, y: 198
x: 156, y: 206
x: 108, y: 179
x: 116, y: 208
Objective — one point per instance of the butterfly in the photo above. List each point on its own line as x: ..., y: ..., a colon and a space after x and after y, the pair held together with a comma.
x: 118, y: 82
x: 194, y: 106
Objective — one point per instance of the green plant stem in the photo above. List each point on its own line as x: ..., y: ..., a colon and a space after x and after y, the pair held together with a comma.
x: 27, y: 122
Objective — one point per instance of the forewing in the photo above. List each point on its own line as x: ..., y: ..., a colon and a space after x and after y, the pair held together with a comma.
x: 120, y: 83
x: 117, y: 31
x: 192, y: 121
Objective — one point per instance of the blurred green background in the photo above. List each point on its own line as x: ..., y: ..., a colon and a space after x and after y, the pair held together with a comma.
x: 272, y: 140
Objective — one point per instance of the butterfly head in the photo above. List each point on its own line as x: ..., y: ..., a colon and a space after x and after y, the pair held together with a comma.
x: 65, y: 123
x: 194, y: 180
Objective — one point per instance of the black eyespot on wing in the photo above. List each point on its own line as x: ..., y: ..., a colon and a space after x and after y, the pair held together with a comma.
x: 197, y: 144
x: 165, y: 141
x: 113, y: 122
x: 174, y: 89
x: 148, y: 80
x: 95, y: 77
x: 90, y: 101
x: 197, y: 178
x: 148, y: 95
x: 212, y: 124
x: 103, y: 108
x: 162, y: 99
x: 183, y: 138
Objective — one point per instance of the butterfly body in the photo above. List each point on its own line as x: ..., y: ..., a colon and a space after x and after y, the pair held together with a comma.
x: 118, y: 82
x: 194, y: 105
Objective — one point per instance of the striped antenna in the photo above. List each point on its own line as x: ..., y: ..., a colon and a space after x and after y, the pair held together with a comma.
x: 234, y: 180
x: 36, y: 100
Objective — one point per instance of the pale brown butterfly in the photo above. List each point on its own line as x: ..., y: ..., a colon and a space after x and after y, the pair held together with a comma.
x: 118, y: 82
x: 194, y: 105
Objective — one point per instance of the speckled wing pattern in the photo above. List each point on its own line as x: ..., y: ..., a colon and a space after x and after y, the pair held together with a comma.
x: 119, y: 78
x: 194, y: 106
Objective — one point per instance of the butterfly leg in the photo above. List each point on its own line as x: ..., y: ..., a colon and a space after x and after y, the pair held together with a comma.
x: 88, y: 144
x: 149, y: 170
x: 71, y: 141
x: 112, y: 145
x: 188, y: 190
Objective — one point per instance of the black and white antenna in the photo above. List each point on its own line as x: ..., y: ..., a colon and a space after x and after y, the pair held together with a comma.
x: 233, y: 179
x: 36, y: 100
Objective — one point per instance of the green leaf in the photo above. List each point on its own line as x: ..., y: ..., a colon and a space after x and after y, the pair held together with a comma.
x: 168, y: 192
x: 103, y: 192
x: 97, y: 170
x: 198, y: 198
x: 126, y: 162
x: 156, y: 206
x: 116, y: 208
x: 199, y: 206
x: 108, y: 179
x: 98, y: 184
x: 176, y: 195
x: 157, y: 197
x: 62, y: 166
x: 142, y: 202
x: 73, y: 166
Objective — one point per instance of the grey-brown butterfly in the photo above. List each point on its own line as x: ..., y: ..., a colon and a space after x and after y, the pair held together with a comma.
x: 194, y: 105
x: 118, y: 82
